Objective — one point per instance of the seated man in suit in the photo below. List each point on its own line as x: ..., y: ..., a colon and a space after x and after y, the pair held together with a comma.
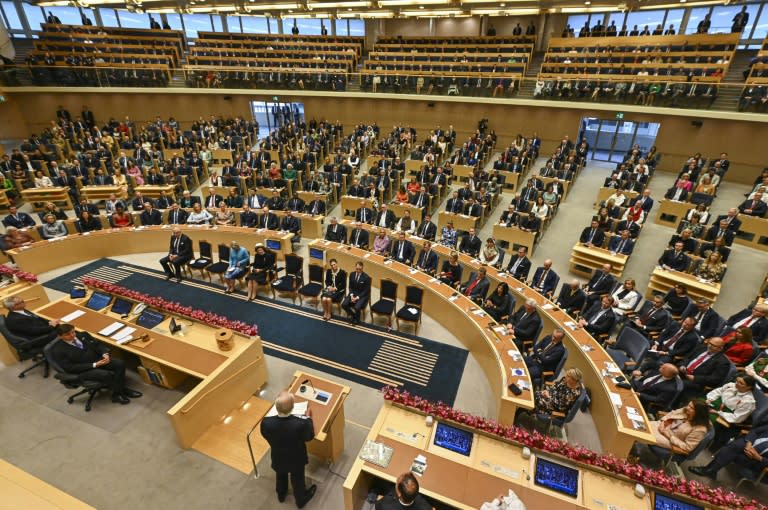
x: 358, y: 289
x: 402, y: 250
x: 385, y: 218
x: 721, y: 229
x: 622, y: 243
x: 732, y: 221
x: 600, y: 284
x: 81, y: 354
x: 706, y: 319
x: 291, y: 223
x: 427, y: 259
x: 544, y: 279
x: 404, y: 495
x: 295, y: 204
x: 530, y: 223
x: 427, y: 229
x: 674, y: 258
x: 188, y: 201
x: 335, y: 232
x: 592, y: 235
x: 248, y: 218
x: 359, y: 237
x: 150, y: 216
x: 316, y: 207
x: 656, y: 385
x: 749, y: 452
x: 213, y: 200
x: 254, y: 200
x: 268, y: 219
x: 524, y: 324
x: 675, y: 343
x: 28, y: 325
x: 632, y: 226
x: 476, y: 288
x: 84, y: 205
x: 520, y: 265
x: 455, y: 205
x: 18, y: 219
x: 754, y: 206
x: 364, y: 214
x: 179, y: 253
x: 706, y: 366
x: 571, y: 298
x: 754, y: 319
x: 654, y: 319
x: 645, y: 201
x: 509, y: 218
x: 686, y: 237
x: 677, y: 192
x: 545, y: 355
x: 470, y: 244
x: 599, y: 318
x: 176, y: 215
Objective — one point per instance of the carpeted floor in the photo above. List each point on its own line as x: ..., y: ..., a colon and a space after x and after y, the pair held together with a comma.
x: 366, y: 353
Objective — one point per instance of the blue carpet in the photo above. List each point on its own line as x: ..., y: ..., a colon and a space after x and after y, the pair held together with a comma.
x: 365, y: 354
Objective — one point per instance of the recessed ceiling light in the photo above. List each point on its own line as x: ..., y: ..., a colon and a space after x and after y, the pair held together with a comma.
x: 421, y: 7
x: 587, y: 3
x: 349, y: 8
x: 503, y: 5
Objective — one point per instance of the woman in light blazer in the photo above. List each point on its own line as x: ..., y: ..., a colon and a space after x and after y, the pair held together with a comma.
x: 682, y: 428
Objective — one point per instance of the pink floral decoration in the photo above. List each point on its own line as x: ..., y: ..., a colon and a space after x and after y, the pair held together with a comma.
x: 173, y: 307
x: 655, y: 478
x: 18, y: 273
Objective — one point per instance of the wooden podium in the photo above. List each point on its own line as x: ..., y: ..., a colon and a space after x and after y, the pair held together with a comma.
x: 328, y: 418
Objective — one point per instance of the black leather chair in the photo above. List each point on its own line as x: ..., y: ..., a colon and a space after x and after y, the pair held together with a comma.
x: 27, y: 348
x: 73, y: 381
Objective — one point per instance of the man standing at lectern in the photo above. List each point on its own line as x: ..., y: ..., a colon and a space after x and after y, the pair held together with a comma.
x: 287, y: 436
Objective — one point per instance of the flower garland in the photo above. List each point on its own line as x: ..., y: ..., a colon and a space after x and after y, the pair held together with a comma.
x: 653, y: 477
x: 18, y: 273
x: 173, y: 307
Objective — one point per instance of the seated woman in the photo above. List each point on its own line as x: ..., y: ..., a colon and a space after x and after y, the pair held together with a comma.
x: 604, y: 220
x: 549, y: 196
x: 489, y: 254
x: 238, y: 265
x: 497, y: 304
x: 51, y: 208
x: 52, y: 228
x: 450, y: 272
x: 88, y: 223
x: 7, y: 185
x: 701, y: 210
x: 335, y: 288
x: 685, y: 182
x: 263, y: 262
x: 135, y: 172
x: 42, y: 181
x: 224, y: 216
x: 730, y: 404
x: 381, y: 243
x: 15, y: 238
x: 706, y: 186
x: 414, y: 188
x: 401, y: 197
x: 560, y: 396
x: 738, y: 346
x: 540, y: 209
x: 682, y: 428
x: 694, y: 225
x: 121, y: 218
x: 635, y: 213
x: 710, y: 269
x: 449, y: 235
x: 625, y: 298
x: 614, y: 211
x: 676, y: 300
x: 119, y: 179
x: 759, y: 370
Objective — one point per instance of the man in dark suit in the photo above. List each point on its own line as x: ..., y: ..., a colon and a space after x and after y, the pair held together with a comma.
x: 470, y: 244
x: 79, y: 353
x: 509, y: 218
x: 150, y: 216
x: 689, y: 243
x: 599, y: 318
x: 28, y: 325
x: 359, y: 289
x: 571, y: 297
x: 359, y: 237
x: 427, y: 229
x: 248, y: 218
x: 524, y: 324
x: 385, y: 218
x: 731, y: 219
x: 754, y: 206
x: 427, y: 260
x: 268, y: 219
x: 288, y: 436
x: 530, y: 223
x: 295, y: 204
x: 545, y: 355
x: 420, y: 199
x: 455, y: 204
x: 750, y: 452
x: 335, y: 232
x: 706, y: 320
x: 177, y: 215
x: 645, y: 201
x: 721, y: 229
x: 622, y: 243
x: 316, y: 207
x: 632, y: 226
x: 674, y: 258
x: 520, y: 265
x: 654, y: 319
x: 592, y: 235
x: 402, y: 250
x: 676, y: 193
x: 188, y: 201
x: 754, y: 319
x: 600, y: 284
x: 179, y: 253
x: 254, y: 200
x: 164, y: 201
x: 18, y: 219
x: 676, y: 342
x: 706, y: 366
x: 84, y: 205
x: 291, y: 223
x: 657, y: 386
x: 276, y: 202
x: 545, y: 279
x: 212, y: 200
x: 476, y: 288
x: 364, y: 214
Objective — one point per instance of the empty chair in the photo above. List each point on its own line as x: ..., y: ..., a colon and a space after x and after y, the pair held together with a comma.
x: 702, y: 198
x: 629, y: 349
x: 220, y: 267
x: 27, y: 348
x: 411, y: 310
x: 293, y: 279
x: 387, y: 303
x: 314, y: 287
x: 73, y: 381
x: 203, y: 261
x: 500, y: 262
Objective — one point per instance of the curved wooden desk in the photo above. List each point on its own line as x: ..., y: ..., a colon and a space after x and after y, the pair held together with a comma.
x: 47, y: 255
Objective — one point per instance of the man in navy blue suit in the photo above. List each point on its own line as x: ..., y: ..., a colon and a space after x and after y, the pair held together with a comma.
x: 545, y: 279
x: 599, y: 318
x: 600, y: 284
x: 359, y: 289
x: 402, y: 250
x: 622, y: 243
x: 427, y: 260
x: 545, y: 355
x: 645, y: 200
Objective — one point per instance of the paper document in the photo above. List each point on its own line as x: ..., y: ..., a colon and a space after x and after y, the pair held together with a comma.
x: 109, y: 330
x: 500, y: 330
x: 413, y: 310
x: 615, y: 398
x: 72, y: 316
x: 123, y: 333
x: 547, y: 306
x: 453, y: 298
x: 479, y: 313
x: 299, y: 409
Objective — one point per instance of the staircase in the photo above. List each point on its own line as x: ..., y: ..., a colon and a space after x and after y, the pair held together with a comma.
x: 731, y: 86
x: 529, y: 79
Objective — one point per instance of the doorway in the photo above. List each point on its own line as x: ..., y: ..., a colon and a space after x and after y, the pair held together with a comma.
x: 270, y: 114
x: 611, y: 139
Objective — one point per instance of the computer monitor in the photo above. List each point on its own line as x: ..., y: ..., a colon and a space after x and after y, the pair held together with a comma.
x: 97, y: 301
x: 317, y: 254
x: 273, y: 244
x: 666, y: 502
x: 149, y: 318
x: 121, y: 306
x: 77, y: 292
x: 454, y: 439
x: 557, y: 477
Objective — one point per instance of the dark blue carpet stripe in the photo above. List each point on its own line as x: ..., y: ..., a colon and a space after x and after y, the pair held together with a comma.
x: 365, y: 354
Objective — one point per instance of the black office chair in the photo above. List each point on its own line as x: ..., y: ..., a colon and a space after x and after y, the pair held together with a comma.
x: 73, y: 381
x: 27, y: 348
x: 629, y: 349
x: 387, y: 302
x: 293, y: 279
x: 315, y: 286
x: 411, y: 311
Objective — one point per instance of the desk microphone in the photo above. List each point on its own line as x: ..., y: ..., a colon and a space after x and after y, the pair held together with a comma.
x: 303, y: 387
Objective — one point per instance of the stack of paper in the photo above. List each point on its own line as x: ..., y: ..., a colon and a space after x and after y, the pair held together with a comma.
x: 124, y: 332
x: 72, y: 316
x: 299, y: 409
x: 109, y: 330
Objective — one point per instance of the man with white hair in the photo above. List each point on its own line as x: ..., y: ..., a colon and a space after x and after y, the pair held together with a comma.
x: 287, y: 436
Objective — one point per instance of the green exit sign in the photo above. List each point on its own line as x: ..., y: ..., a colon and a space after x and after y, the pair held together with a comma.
x: 619, y: 115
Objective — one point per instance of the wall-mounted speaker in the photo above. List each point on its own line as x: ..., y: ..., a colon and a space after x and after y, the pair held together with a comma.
x: 227, y: 98
x: 697, y: 123
x: 430, y: 105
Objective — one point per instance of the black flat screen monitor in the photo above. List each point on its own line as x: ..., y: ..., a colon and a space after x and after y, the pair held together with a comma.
x: 559, y: 478
x: 454, y: 439
x: 317, y: 254
x: 122, y: 306
x: 665, y: 502
x: 97, y: 301
x: 273, y: 244
x: 149, y: 319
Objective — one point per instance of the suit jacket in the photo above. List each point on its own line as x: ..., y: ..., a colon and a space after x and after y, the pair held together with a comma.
x: 634, y: 230
x: 714, y: 231
x: 710, y: 373
x: 549, y: 283
x: 409, y: 252
x: 315, y: 205
x: 177, y: 217
x: 470, y: 246
x: 336, y: 233
x: 390, y: 218
x: 248, y: 219
x: 709, y: 322
x: 360, y: 286
x: 21, y: 220
x: 654, y: 388
x: 359, y: 237
x: 647, y: 203
x: 212, y: 201
x: 427, y: 261
x: 598, y: 237
x: 571, y: 300
x: 758, y: 210
x: 678, y: 262
x: 91, y: 208
x: 184, y: 248
x: 287, y: 438
x: 546, y: 356
x: 290, y: 224
x: 683, y: 346
x: 604, y: 322
x: 759, y: 328
x: 481, y: 288
x: 654, y: 319
x: 188, y: 203
x: 427, y: 230
x: 152, y: 217
x: 76, y: 360
x: 626, y: 248
x: 455, y: 205
x: 525, y: 327
x: 523, y: 268
x: 672, y: 191
x: 268, y: 221
x: 601, y: 283
x: 369, y: 215
x: 733, y: 223
x: 27, y: 326
x: 295, y: 204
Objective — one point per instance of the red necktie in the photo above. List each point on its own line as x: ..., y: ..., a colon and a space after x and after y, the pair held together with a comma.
x: 472, y: 287
x: 698, y: 361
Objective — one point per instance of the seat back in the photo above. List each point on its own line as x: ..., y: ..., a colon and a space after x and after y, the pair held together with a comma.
x: 223, y: 253
x: 561, y: 363
x: 708, y: 437
x: 500, y: 262
x: 316, y: 273
x: 701, y: 198
x: 576, y: 406
x: 414, y: 296
x: 633, y: 343
x: 15, y: 340
x: 691, y: 310
x: 48, y: 353
x: 294, y: 265
x: 388, y: 290
x: 760, y: 414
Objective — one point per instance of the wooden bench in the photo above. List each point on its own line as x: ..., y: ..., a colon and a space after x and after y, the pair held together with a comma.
x: 39, y: 196
x: 753, y: 232
x: 515, y: 237
x: 153, y: 191
x: 98, y: 193
x: 585, y: 259
x: 670, y: 212
x: 662, y: 280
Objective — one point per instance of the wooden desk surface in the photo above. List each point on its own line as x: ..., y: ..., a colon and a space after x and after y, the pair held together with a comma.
x: 322, y: 415
x: 22, y: 490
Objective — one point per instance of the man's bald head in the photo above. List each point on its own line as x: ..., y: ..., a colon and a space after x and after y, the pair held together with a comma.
x: 668, y: 370
x: 284, y: 403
